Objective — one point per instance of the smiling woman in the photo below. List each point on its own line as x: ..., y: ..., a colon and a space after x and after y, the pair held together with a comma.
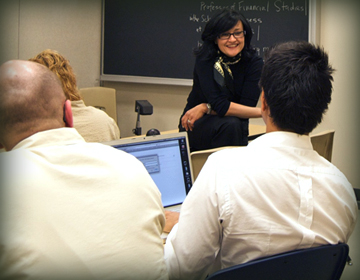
x: 225, y: 87
x: 231, y: 43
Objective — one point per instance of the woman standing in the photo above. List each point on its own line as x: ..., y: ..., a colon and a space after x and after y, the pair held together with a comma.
x: 225, y: 85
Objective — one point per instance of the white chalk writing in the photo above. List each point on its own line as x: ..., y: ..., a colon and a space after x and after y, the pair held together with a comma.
x: 194, y: 18
x: 283, y: 6
x: 211, y: 7
x: 258, y: 8
x: 261, y: 8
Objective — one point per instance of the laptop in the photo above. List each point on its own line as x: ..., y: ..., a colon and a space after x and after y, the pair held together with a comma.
x: 167, y: 159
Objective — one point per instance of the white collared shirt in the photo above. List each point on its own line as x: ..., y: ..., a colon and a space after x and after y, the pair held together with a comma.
x: 93, y: 124
x: 76, y: 210
x: 275, y: 195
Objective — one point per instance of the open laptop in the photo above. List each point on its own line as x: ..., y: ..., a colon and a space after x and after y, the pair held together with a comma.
x: 167, y: 159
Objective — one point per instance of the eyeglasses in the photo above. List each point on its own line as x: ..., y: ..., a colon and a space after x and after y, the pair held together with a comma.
x: 237, y: 35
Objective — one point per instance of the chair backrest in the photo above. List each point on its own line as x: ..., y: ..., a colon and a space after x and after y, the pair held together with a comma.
x: 102, y: 98
x: 319, y: 263
x: 323, y: 143
x: 198, y: 158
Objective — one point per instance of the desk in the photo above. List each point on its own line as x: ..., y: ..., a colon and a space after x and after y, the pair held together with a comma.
x: 255, y: 130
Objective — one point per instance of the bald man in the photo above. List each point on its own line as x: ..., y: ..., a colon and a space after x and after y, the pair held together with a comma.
x: 69, y: 209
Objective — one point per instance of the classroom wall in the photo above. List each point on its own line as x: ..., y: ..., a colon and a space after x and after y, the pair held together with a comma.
x: 340, y: 37
x: 74, y: 29
x: 340, y: 23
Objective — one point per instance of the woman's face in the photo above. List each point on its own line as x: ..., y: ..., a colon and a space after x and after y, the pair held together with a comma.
x: 232, y: 46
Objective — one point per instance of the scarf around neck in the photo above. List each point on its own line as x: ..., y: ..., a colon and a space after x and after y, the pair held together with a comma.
x: 222, y: 72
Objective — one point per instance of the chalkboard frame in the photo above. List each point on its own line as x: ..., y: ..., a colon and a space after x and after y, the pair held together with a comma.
x: 313, y: 37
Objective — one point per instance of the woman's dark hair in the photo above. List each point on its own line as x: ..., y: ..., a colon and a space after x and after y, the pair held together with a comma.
x: 220, y: 23
x: 297, y: 83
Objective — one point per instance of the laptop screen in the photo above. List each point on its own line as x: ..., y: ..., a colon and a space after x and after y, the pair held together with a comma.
x: 167, y: 159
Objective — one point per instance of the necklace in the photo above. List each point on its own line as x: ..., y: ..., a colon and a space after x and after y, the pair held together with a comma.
x: 233, y: 62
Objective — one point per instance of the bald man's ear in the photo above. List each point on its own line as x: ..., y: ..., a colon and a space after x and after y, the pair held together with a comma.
x: 68, y: 117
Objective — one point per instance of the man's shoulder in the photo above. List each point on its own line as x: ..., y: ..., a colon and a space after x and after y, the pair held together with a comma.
x: 225, y: 153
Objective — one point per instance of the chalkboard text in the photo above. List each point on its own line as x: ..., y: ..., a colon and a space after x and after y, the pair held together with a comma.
x: 282, y: 6
x: 212, y: 7
x: 257, y: 8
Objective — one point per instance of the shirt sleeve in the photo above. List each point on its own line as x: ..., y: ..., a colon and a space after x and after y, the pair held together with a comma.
x: 193, y: 244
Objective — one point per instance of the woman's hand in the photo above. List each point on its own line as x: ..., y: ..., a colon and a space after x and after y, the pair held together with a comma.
x: 192, y: 115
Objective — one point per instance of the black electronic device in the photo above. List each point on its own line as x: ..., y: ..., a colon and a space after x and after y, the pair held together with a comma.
x: 152, y: 131
x: 142, y: 107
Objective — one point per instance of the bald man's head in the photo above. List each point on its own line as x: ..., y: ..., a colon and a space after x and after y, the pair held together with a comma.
x: 31, y: 100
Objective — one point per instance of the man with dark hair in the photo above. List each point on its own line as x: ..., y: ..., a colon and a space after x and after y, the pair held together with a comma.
x: 296, y: 83
x: 275, y: 195
x: 69, y: 209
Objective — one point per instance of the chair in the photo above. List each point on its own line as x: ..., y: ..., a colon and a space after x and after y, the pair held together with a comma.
x: 319, y: 263
x: 198, y: 159
x: 256, y: 130
x: 323, y: 143
x: 102, y: 98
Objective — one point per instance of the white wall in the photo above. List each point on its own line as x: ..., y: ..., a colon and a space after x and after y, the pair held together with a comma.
x: 340, y: 37
x: 168, y: 103
x: 340, y: 23
x: 9, y: 30
x: 74, y: 29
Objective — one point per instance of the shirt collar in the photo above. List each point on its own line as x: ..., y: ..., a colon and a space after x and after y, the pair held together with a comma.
x: 282, y: 139
x: 52, y: 137
x: 77, y: 104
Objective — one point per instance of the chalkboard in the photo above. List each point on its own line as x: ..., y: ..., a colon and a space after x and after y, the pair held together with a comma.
x: 153, y: 40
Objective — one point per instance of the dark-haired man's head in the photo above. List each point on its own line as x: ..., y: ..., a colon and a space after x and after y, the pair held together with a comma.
x: 297, y: 86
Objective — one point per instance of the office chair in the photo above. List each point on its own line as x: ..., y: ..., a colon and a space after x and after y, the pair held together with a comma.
x: 323, y: 143
x: 102, y: 98
x: 319, y: 263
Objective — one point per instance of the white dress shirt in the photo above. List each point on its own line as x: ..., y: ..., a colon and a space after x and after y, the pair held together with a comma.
x: 93, y: 124
x: 275, y: 195
x: 77, y: 210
